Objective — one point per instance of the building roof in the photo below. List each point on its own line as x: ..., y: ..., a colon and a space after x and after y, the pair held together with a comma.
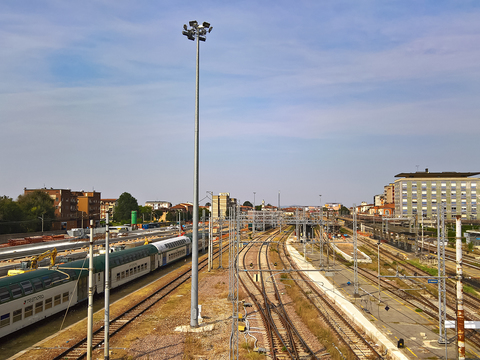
x: 427, y: 174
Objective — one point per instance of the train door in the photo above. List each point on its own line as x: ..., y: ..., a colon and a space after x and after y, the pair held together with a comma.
x: 164, y: 256
x: 82, y: 288
x: 152, y: 262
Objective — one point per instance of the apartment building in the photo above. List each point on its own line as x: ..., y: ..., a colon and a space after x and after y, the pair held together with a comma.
x: 107, y: 206
x: 424, y: 193
x: 221, y: 203
x: 72, y: 208
x: 159, y: 205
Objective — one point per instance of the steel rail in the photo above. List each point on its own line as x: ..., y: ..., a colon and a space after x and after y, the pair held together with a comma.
x: 122, y: 320
x: 339, y: 324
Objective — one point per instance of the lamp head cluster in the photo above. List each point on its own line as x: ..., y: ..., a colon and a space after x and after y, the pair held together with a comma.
x: 197, y: 30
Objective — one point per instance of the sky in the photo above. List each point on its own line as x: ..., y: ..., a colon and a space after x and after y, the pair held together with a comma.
x: 302, y: 98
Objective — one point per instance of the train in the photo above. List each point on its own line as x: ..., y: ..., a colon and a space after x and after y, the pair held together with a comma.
x: 33, y: 296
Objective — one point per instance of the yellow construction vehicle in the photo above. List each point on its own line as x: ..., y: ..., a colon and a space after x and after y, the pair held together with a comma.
x: 32, y: 264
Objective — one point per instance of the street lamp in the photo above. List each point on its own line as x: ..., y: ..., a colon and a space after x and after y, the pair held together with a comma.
x: 198, y: 32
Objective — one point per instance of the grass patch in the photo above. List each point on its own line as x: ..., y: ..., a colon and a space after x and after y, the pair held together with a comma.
x: 428, y: 270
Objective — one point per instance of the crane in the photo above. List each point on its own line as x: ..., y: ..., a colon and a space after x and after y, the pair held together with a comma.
x: 32, y: 264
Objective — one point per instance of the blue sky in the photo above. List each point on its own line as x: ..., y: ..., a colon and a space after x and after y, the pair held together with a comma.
x: 306, y: 97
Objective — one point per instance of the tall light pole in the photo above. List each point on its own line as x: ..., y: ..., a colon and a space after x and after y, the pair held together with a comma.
x: 198, y: 32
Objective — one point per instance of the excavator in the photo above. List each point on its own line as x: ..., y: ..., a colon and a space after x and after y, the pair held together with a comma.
x: 32, y: 264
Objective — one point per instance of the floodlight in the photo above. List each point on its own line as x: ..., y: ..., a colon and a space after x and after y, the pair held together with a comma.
x: 210, y: 28
x: 193, y: 23
x: 201, y: 38
x: 185, y: 26
x: 206, y: 25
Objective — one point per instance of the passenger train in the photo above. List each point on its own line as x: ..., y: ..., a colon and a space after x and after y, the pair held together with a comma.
x: 33, y: 296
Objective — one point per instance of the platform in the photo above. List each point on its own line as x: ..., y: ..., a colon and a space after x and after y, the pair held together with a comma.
x: 386, y: 327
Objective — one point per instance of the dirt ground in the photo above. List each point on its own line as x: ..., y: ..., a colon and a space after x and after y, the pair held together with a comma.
x: 154, y: 335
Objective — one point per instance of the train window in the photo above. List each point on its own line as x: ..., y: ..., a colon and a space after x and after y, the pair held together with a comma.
x: 28, y: 311
x: 123, y: 274
x: 37, y: 284
x: 47, y: 281
x: 48, y: 303
x: 4, y: 294
x: 17, y: 315
x: 5, y: 320
x: 127, y: 272
x: 65, y: 296
x: 118, y: 276
x: 57, y: 300
x: 27, y: 287
x: 98, y: 277
x: 39, y: 307
x: 16, y: 290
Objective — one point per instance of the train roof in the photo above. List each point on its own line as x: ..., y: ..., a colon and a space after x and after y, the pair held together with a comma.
x: 169, y: 244
x: 115, y: 258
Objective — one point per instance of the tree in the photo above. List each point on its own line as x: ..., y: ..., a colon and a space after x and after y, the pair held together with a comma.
x: 248, y: 203
x: 11, y: 216
x: 344, y: 211
x: 145, y: 211
x: 208, y: 204
x: 37, y: 204
x: 126, y: 203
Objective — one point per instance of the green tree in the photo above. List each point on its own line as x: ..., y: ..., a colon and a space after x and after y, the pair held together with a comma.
x: 11, y: 216
x: 158, y: 213
x: 145, y: 212
x: 126, y: 203
x: 171, y: 216
x: 344, y: 211
x: 248, y: 203
x: 35, y: 205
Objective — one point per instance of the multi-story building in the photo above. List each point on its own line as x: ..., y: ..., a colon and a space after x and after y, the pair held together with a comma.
x: 88, y: 204
x: 159, y: 205
x: 389, y: 193
x: 422, y: 193
x: 72, y: 208
x: 221, y: 203
x: 107, y: 206
x: 64, y: 201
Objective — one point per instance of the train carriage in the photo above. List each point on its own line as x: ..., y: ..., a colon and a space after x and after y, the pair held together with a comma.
x: 32, y: 296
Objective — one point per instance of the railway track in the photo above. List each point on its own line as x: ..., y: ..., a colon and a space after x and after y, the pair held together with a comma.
x: 428, y: 302
x: 79, y: 349
x: 285, y: 341
x: 357, y: 342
